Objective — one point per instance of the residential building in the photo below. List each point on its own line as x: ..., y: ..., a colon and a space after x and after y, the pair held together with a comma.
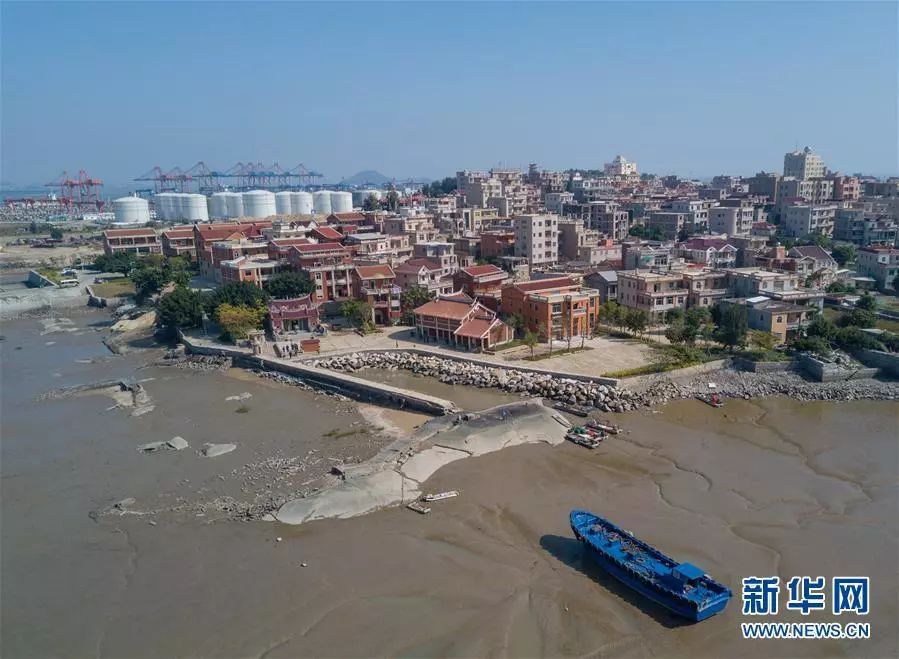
x: 853, y: 225
x: 645, y: 254
x: 816, y: 191
x: 497, y: 243
x: 782, y: 319
x: 605, y: 282
x: 135, y: 241
x: 846, y: 188
x: 732, y: 220
x: 278, y: 247
x: 669, y: 223
x: 483, y: 283
x: 652, y: 291
x: 604, y: 250
x: 376, y: 286
x: 705, y: 287
x: 370, y: 246
x: 229, y: 250
x: 205, y: 235
x: 553, y: 201
x: 425, y: 273
x: 179, y: 242
x: 711, y: 252
x: 779, y: 285
x: 560, y: 307
x: 537, y: 239
x: 443, y: 253
x: 325, y: 234
x: 461, y: 321
x: 803, y: 164
x: 441, y: 207
x: 620, y: 167
x: 328, y: 265
x: 804, y: 219
x: 821, y: 258
x: 697, y: 212
x: 293, y: 315
x: 256, y: 269
x: 607, y: 217
x: 573, y: 235
x: 880, y: 263
x: 765, y: 184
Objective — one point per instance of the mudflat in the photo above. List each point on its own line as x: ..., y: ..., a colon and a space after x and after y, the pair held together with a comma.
x: 769, y: 487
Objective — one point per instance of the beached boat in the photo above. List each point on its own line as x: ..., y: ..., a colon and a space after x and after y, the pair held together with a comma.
x: 440, y: 496
x: 605, y: 426
x: 578, y: 410
x: 418, y: 507
x: 587, y: 441
x: 680, y: 587
x: 711, y: 399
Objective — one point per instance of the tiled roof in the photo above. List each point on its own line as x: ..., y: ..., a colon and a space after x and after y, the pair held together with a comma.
x: 328, y: 233
x: 454, y: 309
x: 178, y: 233
x: 374, y: 272
x: 414, y: 265
x: 544, y: 284
x: 128, y: 233
x: 347, y: 216
x: 318, y: 247
x: 815, y: 251
x: 475, y: 328
x: 479, y: 270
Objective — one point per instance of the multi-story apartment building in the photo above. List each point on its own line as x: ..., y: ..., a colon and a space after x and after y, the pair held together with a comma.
x: 765, y: 184
x: 711, y: 252
x: 620, y: 167
x: 782, y: 319
x: 424, y: 273
x: 846, y: 188
x: 573, y: 236
x: 804, y: 219
x: 256, y: 269
x: 537, y: 239
x: 179, y: 242
x: 328, y: 266
x: 376, y: 286
x: 855, y: 226
x: 441, y: 207
x: 697, y: 212
x: 671, y: 224
x: 803, y: 164
x: 136, y: 241
x: 483, y: 283
x: 704, y: 287
x: 652, y: 291
x: 443, y: 253
x: 230, y: 250
x: 205, y: 235
x: 880, y: 263
x: 645, y: 254
x: 600, y: 251
x: 732, y: 220
x: 497, y: 243
x: 816, y: 191
x: 779, y: 285
x: 560, y: 307
x: 553, y: 201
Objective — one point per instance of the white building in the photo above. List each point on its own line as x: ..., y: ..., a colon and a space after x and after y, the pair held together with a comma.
x: 553, y: 201
x: 804, y: 219
x: 537, y: 239
x: 621, y: 167
x: 803, y: 164
x: 732, y: 220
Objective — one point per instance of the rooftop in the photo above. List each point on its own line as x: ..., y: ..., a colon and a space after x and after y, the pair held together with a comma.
x: 128, y: 233
x: 375, y: 272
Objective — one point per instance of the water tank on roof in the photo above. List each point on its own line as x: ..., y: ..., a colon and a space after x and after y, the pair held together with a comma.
x: 301, y: 203
x: 259, y: 204
x: 321, y: 202
x: 194, y: 208
x: 131, y: 210
x: 283, y: 203
x: 218, y: 205
x: 341, y: 202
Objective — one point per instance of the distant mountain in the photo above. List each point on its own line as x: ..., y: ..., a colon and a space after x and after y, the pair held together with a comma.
x: 369, y: 176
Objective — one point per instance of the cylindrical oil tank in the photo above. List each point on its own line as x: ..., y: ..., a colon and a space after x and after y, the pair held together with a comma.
x: 359, y: 196
x: 283, y: 203
x: 194, y: 208
x: 341, y: 202
x: 301, y: 203
x: 131, y: 210
x: 234, y: 202
x: 259, y: 203
x: 165, y: 205
x: 218, y: 205
x: 321, y: 202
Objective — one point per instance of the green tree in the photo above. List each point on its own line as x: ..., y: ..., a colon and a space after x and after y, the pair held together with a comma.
x: 122, y: 262
x: 515, y: 321
x: 371, y: 203
x: 238, y: 294
x: 148, y: 280
x: 822, y: 328
x: 837, y: 287
x: 449, y: 185
x: 674, y: 315
x: 694, y: 321
x: 676, y: 332
x: 393, y: 201
x: 844, y: 254
x: 854, y: 338
x: 182, y: 308
x: 683, y: 235
x: 358, y: 313
x: 56, y: 233
x: 636, y: 320
x: 867, y: 302
x: 236, y: 321
x: 530, y: 340
x: 762, y: 340
x: 815, y: 344
x: 412, y: 298
x: 858, y: 317
x: 733, y: 326
x: 287, y: 285
x: 637, y: 230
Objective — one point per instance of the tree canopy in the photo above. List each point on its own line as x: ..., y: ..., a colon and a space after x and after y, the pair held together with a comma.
x: 182, y: 308
x: 288, y: 285
x: 236, y: 321
x: 732, y: 326
x: 241, y: 293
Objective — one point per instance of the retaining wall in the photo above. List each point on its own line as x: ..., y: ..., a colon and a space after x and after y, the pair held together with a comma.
x: 885, y: 361
x: 763, y: 367
x: 826, y: 372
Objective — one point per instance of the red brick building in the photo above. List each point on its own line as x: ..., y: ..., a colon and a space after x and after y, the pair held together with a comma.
x: 425, y: 273
x: 207, y: 234
x: 179, y: 242
x: 483, y: 283
x: 329, y: 266
x: 495, y: 244
x: 376, y: 285
x: 460, y: 321
x: 560, y: 306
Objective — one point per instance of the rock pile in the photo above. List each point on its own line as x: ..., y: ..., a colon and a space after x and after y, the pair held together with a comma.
x: 448, y: 371
x: 656, y: 391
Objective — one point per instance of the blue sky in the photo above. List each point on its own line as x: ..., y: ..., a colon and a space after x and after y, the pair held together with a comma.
x: 429, y: 88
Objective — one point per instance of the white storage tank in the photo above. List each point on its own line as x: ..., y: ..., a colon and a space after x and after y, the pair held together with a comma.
x: 165, y: 205
x: 194, y: 208
x: 341, y: 202
x: 234, y: 204
x: 359, y: 196
x: 321, y: 202
x: 218, y: 205
x: 259, y: 203
x: 283, y: 203
x: 131, y: 210
x: 301, y: 203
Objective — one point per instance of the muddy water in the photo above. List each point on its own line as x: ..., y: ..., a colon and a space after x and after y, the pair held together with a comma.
x: 769, y: 487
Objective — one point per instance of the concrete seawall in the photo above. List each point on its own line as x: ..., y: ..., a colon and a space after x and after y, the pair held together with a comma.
x: 339, y: 382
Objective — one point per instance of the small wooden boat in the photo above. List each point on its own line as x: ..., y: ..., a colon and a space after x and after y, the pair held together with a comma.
x: 583, y: 440
x: 590, y: 432
x: 440, y: 496
x: 418, y: 507
x: 605, y: 426
x: 578, y: 410
x: 711, y: 399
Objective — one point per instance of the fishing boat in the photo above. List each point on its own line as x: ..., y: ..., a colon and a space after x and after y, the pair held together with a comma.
x: 578, y: 410
x: 681, y: 588
x: 587, y: 441
x: 711, y: 399
x: 605, y: 426
x: 418, y: 507
x: 440, y: 496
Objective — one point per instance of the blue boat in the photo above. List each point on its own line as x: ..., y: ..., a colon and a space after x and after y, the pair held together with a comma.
x: 680, y: 587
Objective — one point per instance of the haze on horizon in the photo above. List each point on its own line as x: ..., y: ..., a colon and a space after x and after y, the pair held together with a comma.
x: 425, y: 89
